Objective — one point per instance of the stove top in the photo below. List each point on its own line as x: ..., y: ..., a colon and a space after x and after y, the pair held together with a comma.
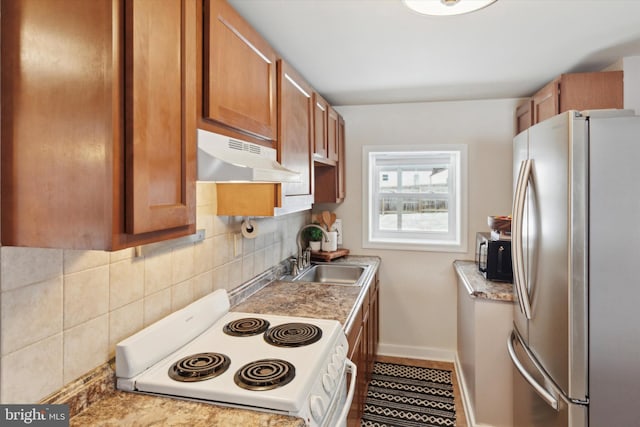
x: 238, y: 359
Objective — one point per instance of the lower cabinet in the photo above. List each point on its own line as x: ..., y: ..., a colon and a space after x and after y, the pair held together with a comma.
x: 363, y: 344
x: 486, y: 373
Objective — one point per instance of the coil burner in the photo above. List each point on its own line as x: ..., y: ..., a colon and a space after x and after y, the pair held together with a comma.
x: 199, y: 367
x: 293, y: 335
x: 245, y: 327
x: 265, y: 374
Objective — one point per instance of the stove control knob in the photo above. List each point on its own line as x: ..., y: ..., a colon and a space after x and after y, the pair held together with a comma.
x: 328, y: 384
x: 341, y: 351
x: 333, y: 370
x: 317, y: 407
x: 338, y: 360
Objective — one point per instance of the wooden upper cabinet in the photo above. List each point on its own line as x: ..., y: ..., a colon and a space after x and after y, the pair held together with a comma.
x: 295, y: 133
x: 342, y: 187
x: 546, y: 102
x: 239, y: 80
x: 332, y: 134
x: 329, y: 174
x: 586, y: 91
x: 160, y: 114
x: 524, y: 116
x: 573, y: 91
x: 320, y: 122
x: 98, y: 133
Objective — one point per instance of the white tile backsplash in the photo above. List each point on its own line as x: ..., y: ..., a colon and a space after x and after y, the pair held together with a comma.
x: 86, y: 295
x: 157, y: 306
x: 30, y: 313
x: 183, y: 263
x: 158, y: 271
x: 75, y: 261
x: 125, y: 321
x: 181, y: 294
x: 126, y: 282
x: 86, y: 346
x: 25, y: 266
x: 33, y: 372
x: 64, y: 311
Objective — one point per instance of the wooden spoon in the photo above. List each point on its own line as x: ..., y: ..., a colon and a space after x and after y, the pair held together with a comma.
x: 326, y: 218
x: 332, y: 220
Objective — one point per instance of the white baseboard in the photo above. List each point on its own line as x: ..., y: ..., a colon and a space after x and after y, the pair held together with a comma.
x: 424, y: 353
x: 464, y: 391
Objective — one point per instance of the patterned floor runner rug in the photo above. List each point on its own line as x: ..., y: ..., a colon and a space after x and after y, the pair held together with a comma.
x: 409, y: 396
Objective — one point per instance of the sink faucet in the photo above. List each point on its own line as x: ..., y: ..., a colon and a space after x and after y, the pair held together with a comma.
x: 304, y: 258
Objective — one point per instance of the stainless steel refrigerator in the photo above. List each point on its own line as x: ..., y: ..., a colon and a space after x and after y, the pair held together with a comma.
x: 576, y: 259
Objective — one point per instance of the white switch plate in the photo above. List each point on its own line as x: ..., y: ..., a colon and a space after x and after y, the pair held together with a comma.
x: 337, y: 226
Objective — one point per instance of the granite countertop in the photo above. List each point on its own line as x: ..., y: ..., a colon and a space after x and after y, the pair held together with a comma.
x: 129, y: 409
x: 94, y: 401
x: 479, y: 287
x: 315, y: 300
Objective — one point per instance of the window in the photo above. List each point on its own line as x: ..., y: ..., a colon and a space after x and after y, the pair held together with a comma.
x: 414, y: 197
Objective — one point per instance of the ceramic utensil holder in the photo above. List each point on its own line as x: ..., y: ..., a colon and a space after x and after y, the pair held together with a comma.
x: 332, y: 244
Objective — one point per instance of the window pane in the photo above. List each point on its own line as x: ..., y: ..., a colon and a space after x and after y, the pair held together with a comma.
x: 413, y: 214
x: 388, y: 181
x: 412, y: 197
x: 388, y: 214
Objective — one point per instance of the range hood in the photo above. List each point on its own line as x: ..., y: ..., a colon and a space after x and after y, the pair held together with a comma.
x: 225, y: 159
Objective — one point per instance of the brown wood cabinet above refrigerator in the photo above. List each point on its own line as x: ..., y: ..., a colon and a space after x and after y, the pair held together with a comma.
x: 573, y: 91
x: 98, y: 122
x: 239, y: 77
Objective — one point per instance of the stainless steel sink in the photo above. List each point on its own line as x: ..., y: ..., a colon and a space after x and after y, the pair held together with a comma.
x: 338, y: 274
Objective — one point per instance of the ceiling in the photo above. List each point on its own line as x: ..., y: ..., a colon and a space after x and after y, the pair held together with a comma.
x: 378, y: 51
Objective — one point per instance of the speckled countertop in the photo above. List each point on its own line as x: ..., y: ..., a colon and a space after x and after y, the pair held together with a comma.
x: 479, y: 287
x: 94, y: 401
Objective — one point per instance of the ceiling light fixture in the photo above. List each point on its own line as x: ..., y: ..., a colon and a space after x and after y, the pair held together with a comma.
x: 446, y: 7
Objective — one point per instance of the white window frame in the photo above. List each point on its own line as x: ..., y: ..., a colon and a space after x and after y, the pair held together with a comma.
x: 453, y: 241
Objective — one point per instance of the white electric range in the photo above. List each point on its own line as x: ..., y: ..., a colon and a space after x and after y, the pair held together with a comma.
x: 288, y: 365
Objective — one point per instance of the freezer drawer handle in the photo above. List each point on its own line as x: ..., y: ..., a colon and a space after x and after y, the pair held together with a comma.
x: 543, y: 392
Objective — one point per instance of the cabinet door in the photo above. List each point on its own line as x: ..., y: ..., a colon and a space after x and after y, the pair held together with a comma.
x: 524, y: 116
x: 332, y: 134
x: 320, y: 121
x: 584, y: 91
x: 239, y: 73
x: 160, y: 64
x: 373, y: 328
x: 57, y: 105
x: 295, y: 133
x: 546, y: 102
x: 342, y: 187
x: 357, y: 356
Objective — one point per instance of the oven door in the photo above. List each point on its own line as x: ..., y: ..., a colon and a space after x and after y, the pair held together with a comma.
x: 339, y: 408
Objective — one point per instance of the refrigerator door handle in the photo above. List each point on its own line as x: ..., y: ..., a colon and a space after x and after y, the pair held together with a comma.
x: 517, y: 250
x: 545, y: 394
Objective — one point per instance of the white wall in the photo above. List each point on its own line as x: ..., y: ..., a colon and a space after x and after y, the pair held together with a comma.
x: 418, y: 289
x: 631, y: 68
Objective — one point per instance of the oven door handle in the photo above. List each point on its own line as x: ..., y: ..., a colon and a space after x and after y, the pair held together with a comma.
x: 353, y: 370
